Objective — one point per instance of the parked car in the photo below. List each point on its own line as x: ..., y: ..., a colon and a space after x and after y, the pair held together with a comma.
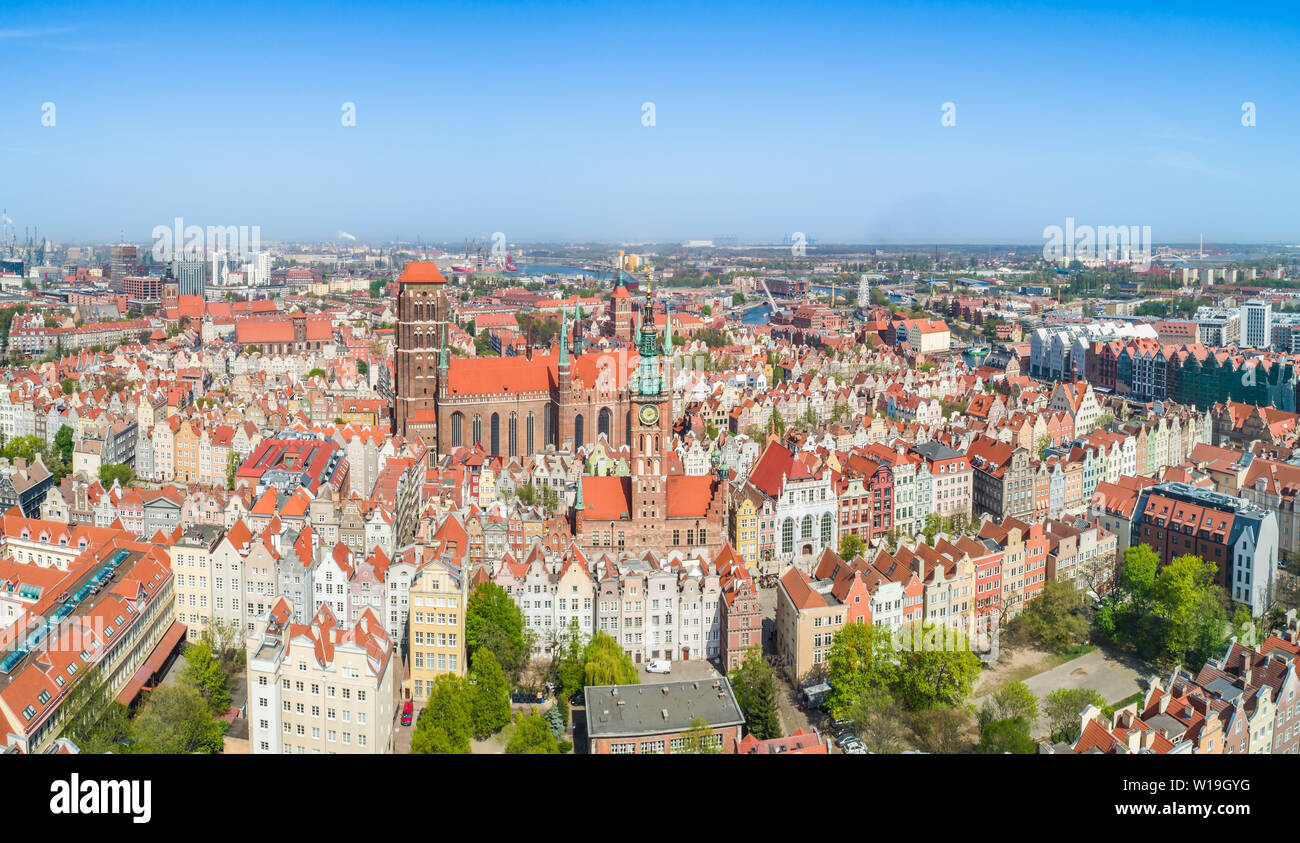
x: 408, y: 708
x: 659, y: 666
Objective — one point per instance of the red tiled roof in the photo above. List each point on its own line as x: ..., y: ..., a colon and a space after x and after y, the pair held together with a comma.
x: 421, y: 272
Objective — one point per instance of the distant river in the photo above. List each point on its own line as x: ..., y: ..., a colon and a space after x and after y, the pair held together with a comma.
x: 547, y: 269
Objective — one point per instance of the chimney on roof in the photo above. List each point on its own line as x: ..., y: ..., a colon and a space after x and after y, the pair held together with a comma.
x: 1164, y: 701
x: 1245, y: 673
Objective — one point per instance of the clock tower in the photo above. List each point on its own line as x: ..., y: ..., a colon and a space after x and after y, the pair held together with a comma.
x: 651, y: 395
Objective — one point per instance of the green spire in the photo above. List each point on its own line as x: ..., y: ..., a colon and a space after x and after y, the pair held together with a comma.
x: 668, y: 329
x: 564, y: 338
x: 442, y: 356
x: 577, y: 504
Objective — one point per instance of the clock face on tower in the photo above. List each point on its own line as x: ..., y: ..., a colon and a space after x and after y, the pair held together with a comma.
x: 649, y: 414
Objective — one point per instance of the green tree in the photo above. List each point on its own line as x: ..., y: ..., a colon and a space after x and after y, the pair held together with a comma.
x: 754, y: 684
x: 494, y: 622
x: 700, y: 739
x: 445, y: 723
x: 363, y: 368
x: 232, y: 467
x: 571, y: 669
x: 605, y: 663
x: 109, y: 472
x: 24, y: 447
x: 938, y: 669
x: 1056, y: 619
x: 1172, y: 614
x: 1196, y: 609
x: 69, y: 386
x: 1008, y: 735
x: 862, y: 661
x: 556, y: 720
x: 203, y: 672
x: 317, y: 373
x: 851, y: 546
x: 490, y: 708
x: 878, y: 719
x: 941, y: 730
x: 177, y: 720
x: 1063, y: 708
x: 933, y: 526
x: 531, y: 736
x: 1009, y: 702
x: 98, y: 722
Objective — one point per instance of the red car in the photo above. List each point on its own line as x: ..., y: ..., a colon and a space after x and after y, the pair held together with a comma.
x: 407, y: 708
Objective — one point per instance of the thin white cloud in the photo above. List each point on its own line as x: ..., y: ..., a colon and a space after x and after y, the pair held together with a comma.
x: 1177, y: 135
x: 34, y: 32
x: 1181, y: 159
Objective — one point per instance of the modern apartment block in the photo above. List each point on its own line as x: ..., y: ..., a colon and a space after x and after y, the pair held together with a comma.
x: 1257, y: 324
x: 1239, y: 537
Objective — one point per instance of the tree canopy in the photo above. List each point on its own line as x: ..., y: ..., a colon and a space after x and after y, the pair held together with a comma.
x: 531, y: 736
x: 1169, y: 614
x: 177, y: 720
x: 445, y: 722
x: 927, y: 665
x: 490, y: 705
x: 494, y: 622
x: 754, y: 684
x: 605, y: 663
x: 109, y: 472
x: 1063, y: 709
x: 204, y: 673
x: 1056, y: 619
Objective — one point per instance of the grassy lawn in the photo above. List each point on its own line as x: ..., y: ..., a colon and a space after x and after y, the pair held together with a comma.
x: 503, y: 737
x: 1135, y: 698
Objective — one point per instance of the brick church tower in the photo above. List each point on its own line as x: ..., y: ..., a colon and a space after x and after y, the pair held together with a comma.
x: 620, y: 309
x: 651, y: 396
x: 422, y: 310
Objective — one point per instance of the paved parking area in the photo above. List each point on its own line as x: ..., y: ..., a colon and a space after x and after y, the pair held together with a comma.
x: 1114, y: 676
x: 682, y: 671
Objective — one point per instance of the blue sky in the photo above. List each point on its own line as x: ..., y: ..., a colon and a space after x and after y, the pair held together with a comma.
x: 770, y: 119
